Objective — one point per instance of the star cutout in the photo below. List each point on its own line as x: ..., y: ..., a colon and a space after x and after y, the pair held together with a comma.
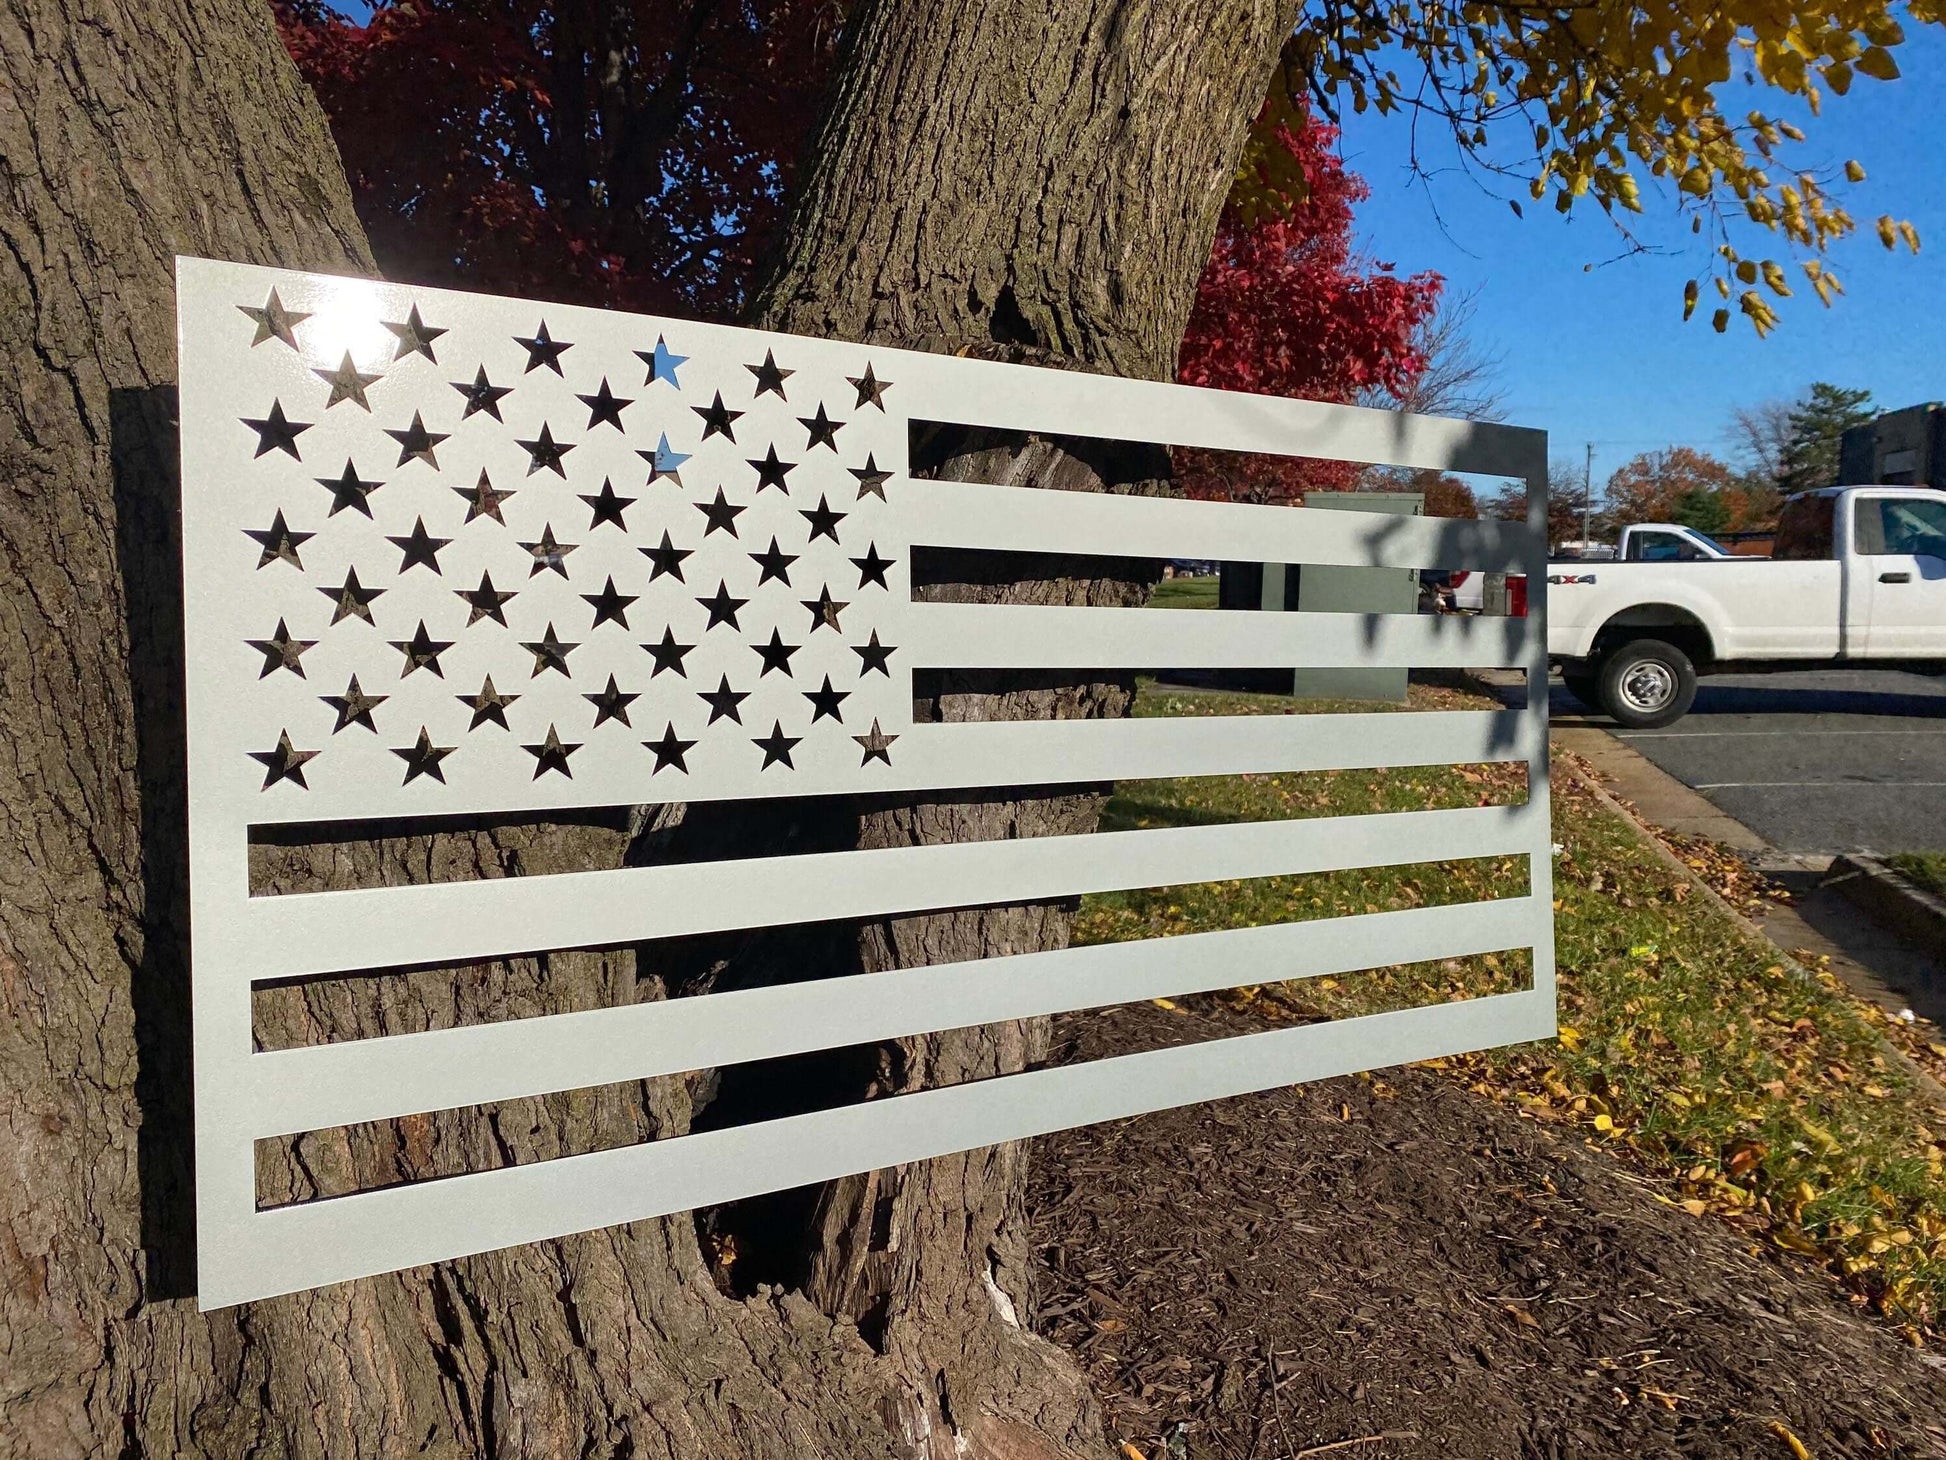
x: 419, y: 547
x: 771, y: 472
x: 720, y: 514
x: 352, y: 599
x: 422, y: 651
x: 776, y: 654
x: 871, y: 567
x: 608, y: 506
x: 874, y: 656
x: 666, y: 558
x: 824, y: 610
x: 824, y: 430
x: 611, y: 704
x: 546, y: 453
x: 824, y: 522
x: 423, y: 758
x: 871, y: 390
x: 551, y: 755
x: 717, y: 418
x: 664, y: 461
x: 347, y: 383
x: 604, y: 405
x: 722, y: 608
x: 669, y: 750
x: 662, y: 363
x: 275, y: 433
x: 285, y: 763
x: 878, y: 745
x: 415, y: 337
x: 550, y: 653
x: 486, y: 601
x: 770, y: 376
x: 274, y: 322
x: 481, y: 395
x: 354, y: 707
x: 281, y: 651
x: 775, y: 564
x: 543, y: 350
x: 776, y: 746
x: 488, y: 704
x: 483, y: 500
x: 668, y: 655
x: 547, y: 553
x: 416, y: 443
x: 723, y: 701
x: 871, y: 481
x: 825, y: 702
x: 279, y: 543
x: 609, y: 605
x: 348, y: 491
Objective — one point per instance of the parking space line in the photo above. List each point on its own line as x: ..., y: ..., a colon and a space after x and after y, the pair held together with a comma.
x: 1815, y: 785
x: 1747, y: 734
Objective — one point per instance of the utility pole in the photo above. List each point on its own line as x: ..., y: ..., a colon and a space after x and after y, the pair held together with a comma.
x: 1587, y: 495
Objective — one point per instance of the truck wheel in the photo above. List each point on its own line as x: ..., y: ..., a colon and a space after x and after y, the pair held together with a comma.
x: 1647, y: 683
x: 1584, y: 686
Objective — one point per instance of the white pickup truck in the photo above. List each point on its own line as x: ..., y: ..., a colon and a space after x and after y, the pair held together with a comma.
x: 1857, y: 577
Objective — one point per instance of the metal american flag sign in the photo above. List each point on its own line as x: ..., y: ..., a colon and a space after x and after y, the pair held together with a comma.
x: 450, y: 554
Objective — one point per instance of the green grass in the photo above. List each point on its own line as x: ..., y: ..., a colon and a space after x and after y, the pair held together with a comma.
x: 1750, y: 1093
x: 1928, y: 869
x: 1185, y: 593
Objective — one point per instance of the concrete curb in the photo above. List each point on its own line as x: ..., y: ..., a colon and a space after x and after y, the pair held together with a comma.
x: 1572, y: 766
x: 1881, y: 893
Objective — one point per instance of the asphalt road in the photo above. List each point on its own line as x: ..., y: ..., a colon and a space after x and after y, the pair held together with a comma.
x: 1824, y: 761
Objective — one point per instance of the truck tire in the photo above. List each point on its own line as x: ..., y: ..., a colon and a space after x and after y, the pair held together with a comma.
x: 1584, y: 685
x: 1647, y: 683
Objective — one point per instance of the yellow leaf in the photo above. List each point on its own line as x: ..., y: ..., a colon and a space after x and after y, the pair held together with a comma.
x: 1689, y: 292
x: 1783, y: 1432
x: 1878, y: 64
x: 1604, y: 1123
x: 1854, y: 172
x: 1888, y: 232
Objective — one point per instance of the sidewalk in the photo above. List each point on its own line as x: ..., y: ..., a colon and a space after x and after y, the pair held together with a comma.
x: 1818, y: 924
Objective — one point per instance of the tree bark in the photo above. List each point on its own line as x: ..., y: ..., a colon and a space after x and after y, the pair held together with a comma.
x: 1036, y: 183
x: 991, y: 177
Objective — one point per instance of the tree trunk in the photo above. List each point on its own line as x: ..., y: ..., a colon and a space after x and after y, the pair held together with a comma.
x: 1036, y: 183
x: 991, y: 176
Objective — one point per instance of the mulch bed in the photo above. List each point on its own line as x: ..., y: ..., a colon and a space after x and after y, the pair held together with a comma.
x: 1395, y: 1268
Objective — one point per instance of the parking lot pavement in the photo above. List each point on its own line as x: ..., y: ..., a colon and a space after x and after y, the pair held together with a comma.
x: 1823, y: 761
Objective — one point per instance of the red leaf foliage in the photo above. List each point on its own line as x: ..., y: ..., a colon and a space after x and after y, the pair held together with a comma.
x: 631, y: 155
x: 640, y: 154
x: 1288, y: 307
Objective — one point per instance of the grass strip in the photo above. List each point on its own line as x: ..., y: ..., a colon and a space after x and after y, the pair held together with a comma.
x: 1747, y: 1091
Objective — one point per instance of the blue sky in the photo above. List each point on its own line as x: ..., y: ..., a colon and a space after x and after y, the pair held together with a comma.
x: 1603, y: 355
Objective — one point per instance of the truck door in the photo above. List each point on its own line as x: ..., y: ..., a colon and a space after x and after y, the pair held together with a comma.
x: 1895, y: 584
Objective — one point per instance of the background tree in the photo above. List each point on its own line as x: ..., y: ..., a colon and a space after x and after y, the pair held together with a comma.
x: 1655, y: 486
x: 1455, y: 376
x: 1285, y: 306
x: 637, y: 155
x: 1817, y: 422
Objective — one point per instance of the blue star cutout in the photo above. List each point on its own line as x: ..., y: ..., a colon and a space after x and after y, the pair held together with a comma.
x: 662, y: 363
x: 665, y: 460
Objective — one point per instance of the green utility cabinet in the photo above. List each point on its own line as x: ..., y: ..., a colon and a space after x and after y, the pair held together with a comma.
x: 1317, y: 588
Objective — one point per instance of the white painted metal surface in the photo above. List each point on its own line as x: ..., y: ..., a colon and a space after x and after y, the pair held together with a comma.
x: 604, y: 560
